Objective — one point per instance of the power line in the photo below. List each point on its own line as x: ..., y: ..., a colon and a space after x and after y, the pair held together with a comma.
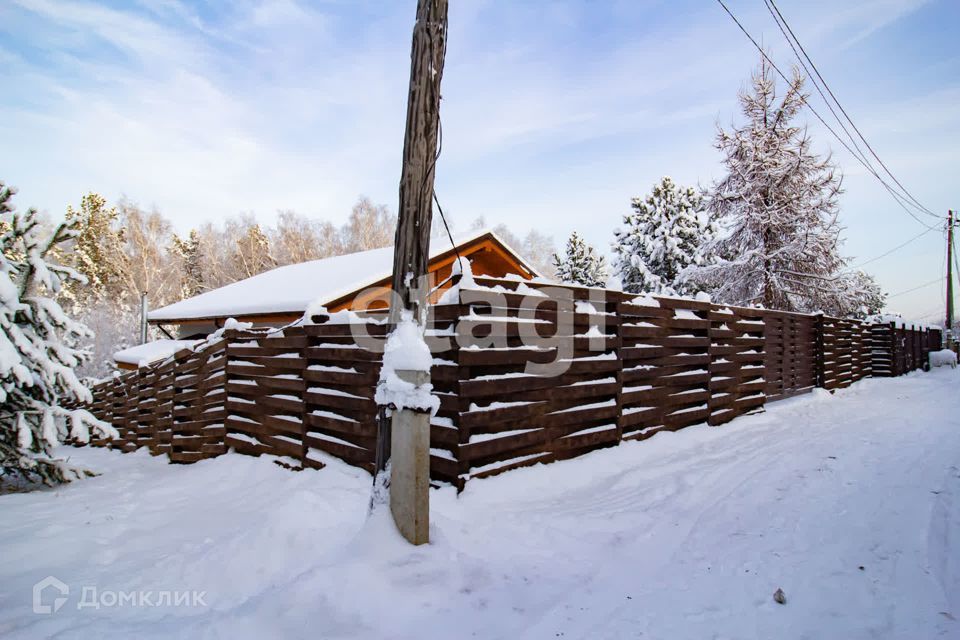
x: 783, y: 30
x: 896, y: 248
x: 772, y: 6
x: 859, y: 155
x: 784, y: 27
x: 897, y: 197
x: 925, y: 284
x: 932, y: 313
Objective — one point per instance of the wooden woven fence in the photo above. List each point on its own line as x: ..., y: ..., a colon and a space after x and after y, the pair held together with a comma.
x: 898, y: 349
x: 790, y: 353
x: 176, y: 408
x: 525, y: 373
x: 302, y: 390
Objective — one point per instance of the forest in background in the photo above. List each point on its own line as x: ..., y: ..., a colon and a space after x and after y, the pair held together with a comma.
x: 125, y: 250
x: 766, y: 234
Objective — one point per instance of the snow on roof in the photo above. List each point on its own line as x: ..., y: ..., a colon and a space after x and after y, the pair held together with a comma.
x: 291, y: 288
x: 143, y: 354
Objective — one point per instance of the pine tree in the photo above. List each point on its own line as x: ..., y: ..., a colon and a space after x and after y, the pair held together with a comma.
x: 660, y: 238
x: 38, y: 354
x: 778, y: 205
x: 97, y: 250
x: 253, y: 252
x: 580, y: 264
x: 190, y: 252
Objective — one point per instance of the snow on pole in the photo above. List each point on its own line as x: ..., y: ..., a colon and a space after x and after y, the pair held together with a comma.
x: 406, y: 351
x: 405, y: 391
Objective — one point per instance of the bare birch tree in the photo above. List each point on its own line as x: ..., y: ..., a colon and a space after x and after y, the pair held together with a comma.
x: 369, y: 226
x: 296, y: 238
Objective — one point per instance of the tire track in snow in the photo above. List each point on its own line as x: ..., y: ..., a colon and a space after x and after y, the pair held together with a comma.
x: 941, y: 554
x: 740, y: 465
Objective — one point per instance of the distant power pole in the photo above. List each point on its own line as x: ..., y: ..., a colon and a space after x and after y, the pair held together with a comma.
x: 949, y: 326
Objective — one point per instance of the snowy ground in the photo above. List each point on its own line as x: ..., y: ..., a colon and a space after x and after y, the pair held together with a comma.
x: 850, y: 504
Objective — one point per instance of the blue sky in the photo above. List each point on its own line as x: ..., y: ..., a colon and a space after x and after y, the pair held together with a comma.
x: 554, y: 115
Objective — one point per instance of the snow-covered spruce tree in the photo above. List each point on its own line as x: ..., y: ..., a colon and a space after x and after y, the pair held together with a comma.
x: 778, y: 208
x: 580, y: 264
x: 660, y: 238
x: 38, y: 355
x: 190, y: 252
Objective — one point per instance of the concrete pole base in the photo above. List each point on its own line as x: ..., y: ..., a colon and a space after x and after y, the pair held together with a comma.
x: 410, y: 468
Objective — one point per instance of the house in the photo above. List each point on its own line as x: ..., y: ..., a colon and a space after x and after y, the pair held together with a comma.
x: 352, y: 281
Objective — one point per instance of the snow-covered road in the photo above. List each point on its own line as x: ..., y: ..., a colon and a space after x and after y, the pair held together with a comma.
x: 849, y: 503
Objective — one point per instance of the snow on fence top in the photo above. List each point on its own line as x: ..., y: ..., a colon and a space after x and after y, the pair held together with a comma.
x: 144, y: 354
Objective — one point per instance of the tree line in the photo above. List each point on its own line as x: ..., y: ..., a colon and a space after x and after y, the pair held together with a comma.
x: 123, y: 251
x: 767, y: 233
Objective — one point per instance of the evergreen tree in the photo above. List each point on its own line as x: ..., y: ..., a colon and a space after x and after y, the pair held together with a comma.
x: 190, y: 252
x: 97, y: 251
x: 660, y: 238
x: 38, y: 356
x: 253, y: 252
x: 778, y: 205
x: 867, y: 298
x: 580, y: 264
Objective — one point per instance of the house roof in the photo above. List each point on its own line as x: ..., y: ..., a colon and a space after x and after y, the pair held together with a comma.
x: 292, y: 288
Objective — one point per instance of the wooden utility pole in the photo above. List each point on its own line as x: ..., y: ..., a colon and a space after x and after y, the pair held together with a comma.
x: 411, y: 252
x: 949, y: 326
x: 415, y: 214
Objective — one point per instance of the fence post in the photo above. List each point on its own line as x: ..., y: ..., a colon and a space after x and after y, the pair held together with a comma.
x: 918, y: 338
x: 913, y: 347
x: 819, y: 350
x: 305, y: 410
x: 618, y: 349
x: 464, y: 374
x: 895, y: 368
